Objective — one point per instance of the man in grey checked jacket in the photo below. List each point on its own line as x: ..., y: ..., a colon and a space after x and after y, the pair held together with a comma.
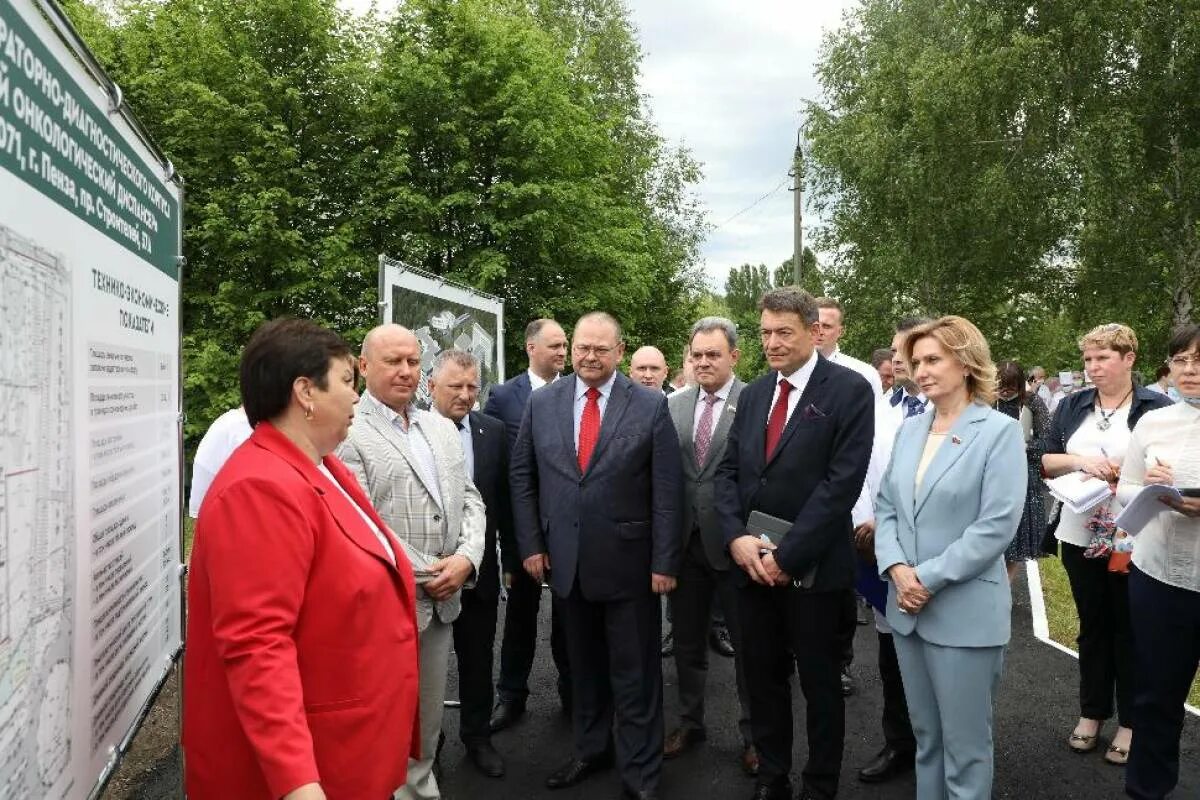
x: 411, y: 464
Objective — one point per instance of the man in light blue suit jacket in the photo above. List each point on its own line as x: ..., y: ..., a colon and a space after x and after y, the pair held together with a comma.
x: 953, y: 532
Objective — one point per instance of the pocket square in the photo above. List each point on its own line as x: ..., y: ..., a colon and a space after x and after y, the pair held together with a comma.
x: 812, y: 412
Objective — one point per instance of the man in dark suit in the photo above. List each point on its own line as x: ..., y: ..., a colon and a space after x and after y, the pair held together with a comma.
x: 703, y: 415
x: 596, y: 493
x: 454, y: 387
x: 797, y: 451
x: 546, y: 346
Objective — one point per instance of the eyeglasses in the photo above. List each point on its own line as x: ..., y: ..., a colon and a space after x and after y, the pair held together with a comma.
x: 585, y: 349
x: 1182, y: 362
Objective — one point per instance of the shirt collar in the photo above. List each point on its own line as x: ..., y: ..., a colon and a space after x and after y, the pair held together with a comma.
x: 723, y: 392
x: 799, y: 378
x: 605, y: 389
x: 393, y: 416
x: 535, y: 380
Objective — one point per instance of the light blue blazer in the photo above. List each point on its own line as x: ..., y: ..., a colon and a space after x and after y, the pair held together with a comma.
x: 955, y: 530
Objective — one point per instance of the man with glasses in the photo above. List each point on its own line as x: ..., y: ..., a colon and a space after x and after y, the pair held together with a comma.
x: 597, y: 491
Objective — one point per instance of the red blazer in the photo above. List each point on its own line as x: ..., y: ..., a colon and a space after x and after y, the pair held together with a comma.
x: 301, y: 658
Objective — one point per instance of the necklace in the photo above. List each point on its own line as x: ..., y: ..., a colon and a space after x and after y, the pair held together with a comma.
x: 1105, y: 421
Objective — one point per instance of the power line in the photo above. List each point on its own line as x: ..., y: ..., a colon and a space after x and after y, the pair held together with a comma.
x: 778, y: 186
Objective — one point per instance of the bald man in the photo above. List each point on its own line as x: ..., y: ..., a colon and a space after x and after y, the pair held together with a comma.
x: 412, y: 466
x: 648, y: 366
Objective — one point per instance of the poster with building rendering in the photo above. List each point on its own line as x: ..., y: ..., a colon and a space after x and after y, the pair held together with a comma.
x: 444, y: 315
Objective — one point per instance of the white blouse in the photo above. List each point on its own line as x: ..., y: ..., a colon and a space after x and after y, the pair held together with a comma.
x: 1089, y: 440
x: 1168, y: 548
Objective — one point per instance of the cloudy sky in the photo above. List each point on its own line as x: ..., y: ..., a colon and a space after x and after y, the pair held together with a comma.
x: 728, y: 80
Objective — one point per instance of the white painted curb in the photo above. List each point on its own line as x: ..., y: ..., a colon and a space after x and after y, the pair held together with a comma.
x: 1041, y: 627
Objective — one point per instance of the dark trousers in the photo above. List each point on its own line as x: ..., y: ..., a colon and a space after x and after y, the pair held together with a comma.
x: 617, y: 670
x: 1166, y: 624
x: 848, y: 627
x: 698, y: 587
x: 782, y: 626
x: 520, y: 641
x: 474, y: 638
x: 897, y: 728
x: 1105, y: 638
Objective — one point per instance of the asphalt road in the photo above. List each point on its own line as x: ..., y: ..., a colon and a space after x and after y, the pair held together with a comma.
x: 1036, y: 710
x: 1034, y: 714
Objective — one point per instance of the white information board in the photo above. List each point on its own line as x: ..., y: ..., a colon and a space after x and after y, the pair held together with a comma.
x: 444, y: 315
x: 90, y: 601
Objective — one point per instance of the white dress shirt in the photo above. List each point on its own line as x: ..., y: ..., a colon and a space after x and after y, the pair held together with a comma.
x: 536, y: 382
x: 419, y: 445
x: 1168, y: 548
x: 799, y: 381
x: 468, y: 444
x: 581, y: 401
x: 861, y: 367
x: 718, y: 406
x: 225, y: 435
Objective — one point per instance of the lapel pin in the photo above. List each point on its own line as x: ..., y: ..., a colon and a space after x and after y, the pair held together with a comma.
x: 955, y: 440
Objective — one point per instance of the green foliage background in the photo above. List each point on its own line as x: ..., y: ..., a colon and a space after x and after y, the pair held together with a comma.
x: 501, y: 143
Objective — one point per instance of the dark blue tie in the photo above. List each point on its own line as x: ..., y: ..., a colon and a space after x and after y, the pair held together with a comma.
x: 913, y: 407
x: 897, y: 396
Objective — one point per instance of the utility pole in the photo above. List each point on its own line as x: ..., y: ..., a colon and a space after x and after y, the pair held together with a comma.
x: 797, y: 190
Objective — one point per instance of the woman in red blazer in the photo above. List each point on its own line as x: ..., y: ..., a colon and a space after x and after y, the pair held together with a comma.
x: 301, y: 673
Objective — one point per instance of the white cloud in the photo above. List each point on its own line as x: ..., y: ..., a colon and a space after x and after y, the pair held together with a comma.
x: 728, y: 80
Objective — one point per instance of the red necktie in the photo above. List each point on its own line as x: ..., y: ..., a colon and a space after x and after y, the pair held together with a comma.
x: 589, y: 428
x: 778, y: 417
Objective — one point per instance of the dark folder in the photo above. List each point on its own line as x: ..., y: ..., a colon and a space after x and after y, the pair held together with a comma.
x: 775, y: 530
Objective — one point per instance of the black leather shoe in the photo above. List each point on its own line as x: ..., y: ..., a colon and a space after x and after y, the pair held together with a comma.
x: 668, y: 644
x: 848, y: 687
x: 773, y: 791
x: 719, y: 641
x: 575, y: 771
x: 486, y: 759
x: 505, y: 714
x: 886, y: 765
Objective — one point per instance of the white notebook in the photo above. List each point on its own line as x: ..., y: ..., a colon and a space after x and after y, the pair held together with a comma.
x: 1145, y: 507
x: 1079, y: 492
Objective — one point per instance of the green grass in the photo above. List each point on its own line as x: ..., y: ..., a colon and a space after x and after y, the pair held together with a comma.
x: 1060, y: 611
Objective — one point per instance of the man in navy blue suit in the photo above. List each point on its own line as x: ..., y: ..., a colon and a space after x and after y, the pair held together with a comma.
x: 597, y: 493
x: 546, y: 346
x: 797, y: 451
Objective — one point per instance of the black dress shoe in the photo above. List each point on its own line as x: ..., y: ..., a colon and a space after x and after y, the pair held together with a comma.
x: 772, y: 791
x: 847, y: 682
x: 668, y: 644
x: 486, y: 759
x: 719, y: 641
x: 886, y: 765
x: 505, y: 714
x: 574, y: 771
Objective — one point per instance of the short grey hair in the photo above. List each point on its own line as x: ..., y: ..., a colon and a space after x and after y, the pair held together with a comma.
x: 790, y: 300
x: 708, y: 324
x: 460, y: 358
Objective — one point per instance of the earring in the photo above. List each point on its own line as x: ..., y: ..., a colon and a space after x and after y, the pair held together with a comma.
x: 308, y: 412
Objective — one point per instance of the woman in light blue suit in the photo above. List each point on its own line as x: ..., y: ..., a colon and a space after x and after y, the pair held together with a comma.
x: 949, y: 505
